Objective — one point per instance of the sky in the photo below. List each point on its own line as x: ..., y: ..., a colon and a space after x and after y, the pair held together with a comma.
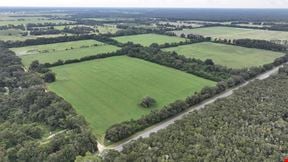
x: 149, y: 3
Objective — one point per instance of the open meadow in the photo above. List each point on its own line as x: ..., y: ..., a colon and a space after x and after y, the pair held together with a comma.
x: 104, y: 29
x: 17, y: 35
x: 7, y: 20
x: 148, y: 39
x: 108, y: 91
x: 50, y: 53
x: 227, y: 55
x: 236, y: 33
x: 11, y: 34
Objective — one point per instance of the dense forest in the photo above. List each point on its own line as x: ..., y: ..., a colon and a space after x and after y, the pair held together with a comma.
x: 29, y: 117
x: 248, y: 126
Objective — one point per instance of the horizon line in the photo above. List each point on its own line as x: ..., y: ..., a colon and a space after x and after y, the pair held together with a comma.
x: 136, y: 7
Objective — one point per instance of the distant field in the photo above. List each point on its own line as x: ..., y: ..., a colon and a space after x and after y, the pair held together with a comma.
x: 102, y: 29
x: 181, y: 23
x: 27, y: 20
x: 228, y: 55
x: 107, y: 91
x: 107, y: 29
x: 16, y: 35
x: 111, y: 19
x: 236, y: 33
x: 50, y: 53
x: 148, y: 39
x: 11, y: 34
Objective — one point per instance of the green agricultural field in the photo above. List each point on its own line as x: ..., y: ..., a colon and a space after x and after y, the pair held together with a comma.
x: 102, y: 29
x: 107, y: 29
x: 228, y: 55
x: 107, y: 91
x: 236, y: 33
x: 148, y: 39
x: 11, y: 34
x: 50, y: 53
x: 61, y: 27
x: 16, y: 35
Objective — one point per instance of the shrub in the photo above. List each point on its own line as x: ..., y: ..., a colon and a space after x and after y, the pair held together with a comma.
x: 147, y: 102
x: 49, y: 77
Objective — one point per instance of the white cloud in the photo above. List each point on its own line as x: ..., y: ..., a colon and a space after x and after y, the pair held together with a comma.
x: 151, y: 3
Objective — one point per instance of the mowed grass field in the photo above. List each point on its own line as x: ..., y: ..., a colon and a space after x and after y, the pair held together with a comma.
x: 236, y: 33
x: 107, y: 91
x: 27, y: 20
x: 107, y: 29
x: 51, y: 53
x: 11, y: 34
x: 148, y: 39
x: 227, y: 55
x: 16, y: 35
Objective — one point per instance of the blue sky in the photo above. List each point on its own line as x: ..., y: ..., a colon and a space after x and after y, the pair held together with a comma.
x: 151, y: 3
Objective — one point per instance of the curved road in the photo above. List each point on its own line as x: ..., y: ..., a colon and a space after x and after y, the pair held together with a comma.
x: 146, y: 133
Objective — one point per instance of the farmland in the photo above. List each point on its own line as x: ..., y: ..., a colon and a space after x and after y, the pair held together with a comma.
x: 192, y: 84
x: 228, y: 55
x: 101, y: 29
x: 26, y: 20
x: 50, y: 53
x: 148, y: 39
x: 11, y: 34
x: 16, y: 35
x: 107, y: 29
x: 108, y: 91
x: 236, y: 33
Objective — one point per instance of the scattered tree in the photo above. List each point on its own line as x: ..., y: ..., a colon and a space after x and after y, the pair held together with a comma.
x: 147, y: 102
x: 49, y: 77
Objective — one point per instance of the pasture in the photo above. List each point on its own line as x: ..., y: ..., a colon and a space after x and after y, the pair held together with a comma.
x: 16, y: 35
x: 227, y: 55
x: 11, y: 34
x: 104, y: 29
x: 108, y: 91
x: 26, y: 20
x: 148, y: 39
x: 236, y: 33
x: 50, y: 53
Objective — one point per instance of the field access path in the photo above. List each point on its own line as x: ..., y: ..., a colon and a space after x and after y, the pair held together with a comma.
x: 146, y: 133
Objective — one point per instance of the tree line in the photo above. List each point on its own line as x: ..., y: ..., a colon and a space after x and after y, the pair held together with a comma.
x: 248, y: 126
x: 41, y: 41
x: 172, y: 59
x: 260, y: 44
x: 29, y: 113
x: 85, y: 58
x: 12, y: 26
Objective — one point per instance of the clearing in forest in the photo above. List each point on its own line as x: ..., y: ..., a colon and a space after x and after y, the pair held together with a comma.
x: 50, y: 53
x: 108, y: 91
x: 148, y: 39
x: 236, y: 33
x: 227, y: 55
